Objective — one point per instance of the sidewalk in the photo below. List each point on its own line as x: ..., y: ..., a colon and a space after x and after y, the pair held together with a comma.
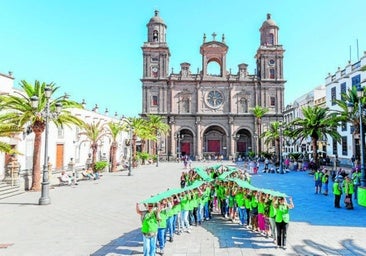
x: 99, y: 218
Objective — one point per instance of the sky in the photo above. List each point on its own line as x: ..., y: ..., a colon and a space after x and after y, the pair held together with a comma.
x: 91, y: 49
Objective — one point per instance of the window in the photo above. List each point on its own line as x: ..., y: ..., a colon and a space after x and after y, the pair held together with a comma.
x: 273, y: 101
x: 244, y: 105
x: 186, y: 104
x: 333, y: 95
x: 271, y: 73
x: 270, y: 39
x: 60, y: 132
x: 356, y: 80
x: 155, y: 36
x: 343, y: 90
x: 334, y: 147
x: 155, y: 101
x: 344, y: 146
x: 344, y: 126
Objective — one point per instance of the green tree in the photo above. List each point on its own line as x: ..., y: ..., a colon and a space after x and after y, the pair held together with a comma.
x: 94, y: 132
x: 114, y: 129
x: 157, y: 128
x: 20, y: 112
x: 139, y: 127
x: 273, y: 136
x: 317, y: 123
x: 8, y: 131
x: 258, y: 113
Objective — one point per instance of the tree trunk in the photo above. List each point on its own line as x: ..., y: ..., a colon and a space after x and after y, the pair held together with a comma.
x: 134, y: 161
x: 38, y: 129
x: 114, y: 157
x: 94, y: 148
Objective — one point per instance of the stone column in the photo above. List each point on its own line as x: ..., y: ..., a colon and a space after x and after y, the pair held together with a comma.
x: 198, y: 139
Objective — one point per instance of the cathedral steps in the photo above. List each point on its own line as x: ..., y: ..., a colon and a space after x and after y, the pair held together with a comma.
x: 7, y: 190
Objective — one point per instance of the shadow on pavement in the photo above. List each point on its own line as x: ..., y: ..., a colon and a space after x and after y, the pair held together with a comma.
x: 349, y: 248
x: 123, y: 245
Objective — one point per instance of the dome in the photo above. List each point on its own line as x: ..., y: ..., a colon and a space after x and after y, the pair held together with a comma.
x: 269, y: 22
x: 156, y: 18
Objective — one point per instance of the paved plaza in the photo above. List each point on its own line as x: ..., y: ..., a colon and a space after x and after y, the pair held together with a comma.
x: 98, y: 218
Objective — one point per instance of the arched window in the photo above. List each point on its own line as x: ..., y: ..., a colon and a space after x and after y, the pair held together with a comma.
x: 155, y: 36
x: 270, y: 39
x: 272, y: 73
x: 186, y: 105
x: 244, y: 105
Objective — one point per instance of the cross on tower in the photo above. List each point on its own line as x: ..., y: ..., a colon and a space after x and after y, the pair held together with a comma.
x: 213, y: 36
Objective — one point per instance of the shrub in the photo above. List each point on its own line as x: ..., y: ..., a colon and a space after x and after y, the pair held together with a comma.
x: 100, y: 166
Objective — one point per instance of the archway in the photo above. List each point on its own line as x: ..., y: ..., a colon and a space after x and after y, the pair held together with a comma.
x: 185, y: 143
x: 244, y: 143
x: 214, y: 142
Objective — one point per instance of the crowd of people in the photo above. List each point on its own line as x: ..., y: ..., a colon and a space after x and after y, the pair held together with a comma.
x: 225, y: 191
x: 344, y: 183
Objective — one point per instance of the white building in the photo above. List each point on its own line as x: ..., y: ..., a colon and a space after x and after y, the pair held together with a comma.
x: 64, y: 143
x: 336, y: 84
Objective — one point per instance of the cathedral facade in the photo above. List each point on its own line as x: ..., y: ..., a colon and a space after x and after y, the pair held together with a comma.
x: 212, y: 114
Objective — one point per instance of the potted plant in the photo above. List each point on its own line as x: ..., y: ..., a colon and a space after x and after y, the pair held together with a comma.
x: 99, y: 167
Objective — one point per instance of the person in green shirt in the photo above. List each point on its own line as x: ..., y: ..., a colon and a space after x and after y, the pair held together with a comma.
x: 318, y: 181
x: 239, y: 198
x: 337, y: 192
x: 348, y: 190
x: 161, y: 236
x: 150, y: 221
x: 282, y: 220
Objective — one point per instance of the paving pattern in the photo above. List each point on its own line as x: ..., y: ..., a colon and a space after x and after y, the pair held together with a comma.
x: 98, y: 218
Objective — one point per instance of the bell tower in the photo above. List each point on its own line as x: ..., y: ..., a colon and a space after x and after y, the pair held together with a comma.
x: 156, y: 51
x: 269, y: 60
x: 269, y: 54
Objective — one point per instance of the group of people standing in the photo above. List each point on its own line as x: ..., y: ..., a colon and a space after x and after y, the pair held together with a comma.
x: 344, y: 183
x: 254, y: 209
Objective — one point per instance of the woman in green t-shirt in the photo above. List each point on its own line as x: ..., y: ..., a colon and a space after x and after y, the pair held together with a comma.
x: 150, y: 219
x: 282, y: 219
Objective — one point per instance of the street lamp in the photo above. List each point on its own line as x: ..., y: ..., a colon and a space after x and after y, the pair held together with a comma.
x: 281, y: 160
x: 47, y: 114
x: 362, y: 138
x: 179, y: 138
x: 157, y: 148
x: 130, y: 129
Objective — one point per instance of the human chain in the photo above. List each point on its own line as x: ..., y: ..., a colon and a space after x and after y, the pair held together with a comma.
x: 215, y: 190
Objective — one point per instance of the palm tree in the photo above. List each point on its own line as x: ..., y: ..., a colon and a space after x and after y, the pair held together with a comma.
x: 8, y: 130
x: 94, y: 133
x: 259, y: 112
x: 20, y: 112
x: 273, y: 135
x: 352, y: 115
x: 140, y: 130
x: 114, y: 130
x: 318, y: 122
x: 157, y: 127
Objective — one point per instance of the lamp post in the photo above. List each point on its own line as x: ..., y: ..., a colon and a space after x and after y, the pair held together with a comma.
x: 157, y: 148
x: 47, y: 114
x: 179, y: 138
x: 281, y: 160
x: 130, y: 132
x: 362, y: 135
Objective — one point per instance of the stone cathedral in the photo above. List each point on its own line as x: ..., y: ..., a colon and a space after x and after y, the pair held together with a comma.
x: 212, y: 114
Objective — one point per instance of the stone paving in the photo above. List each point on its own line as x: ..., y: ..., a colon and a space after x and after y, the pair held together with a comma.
x: 98, y: 218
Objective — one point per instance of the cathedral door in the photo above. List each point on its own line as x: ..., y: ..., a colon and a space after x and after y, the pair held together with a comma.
x: 213, y: 146
x: 186, y: 148
x: 241, y: 147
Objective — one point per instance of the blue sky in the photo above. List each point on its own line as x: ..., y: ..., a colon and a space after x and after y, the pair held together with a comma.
x: 92, y: 48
